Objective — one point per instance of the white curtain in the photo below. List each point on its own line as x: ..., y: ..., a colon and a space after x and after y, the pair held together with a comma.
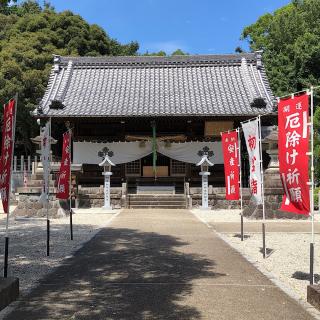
x: 123, y: 152
x: 188, y: 151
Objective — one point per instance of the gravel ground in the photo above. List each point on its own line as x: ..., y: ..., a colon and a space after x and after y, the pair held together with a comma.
x: 233, y: 215
x: 27, y: 247
x: 288, y: 258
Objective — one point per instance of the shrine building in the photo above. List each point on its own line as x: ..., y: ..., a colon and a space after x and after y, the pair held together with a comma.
x: 154, y: 116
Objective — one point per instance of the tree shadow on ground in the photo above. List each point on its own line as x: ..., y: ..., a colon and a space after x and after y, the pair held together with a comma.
x: 120, y: 274
x: 269, y: 251
x: 238, y: 235
x: 300, y: 275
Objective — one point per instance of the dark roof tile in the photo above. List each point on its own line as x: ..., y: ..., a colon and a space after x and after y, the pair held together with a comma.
x: 204, y: 85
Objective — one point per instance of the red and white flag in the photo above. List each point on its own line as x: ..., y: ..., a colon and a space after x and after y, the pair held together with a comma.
x: 64, y: 173
x: 231, y: 164
x: 251, y: 131
x: 293, y: 115
x: 7, y: 148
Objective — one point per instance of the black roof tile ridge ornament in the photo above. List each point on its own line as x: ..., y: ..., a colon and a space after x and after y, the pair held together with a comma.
x: 51, y: 84
x: 153, y: 61
x: 65, y: 82
x: 257, y: 101
x: 65, y: 76
x: 263, y: 77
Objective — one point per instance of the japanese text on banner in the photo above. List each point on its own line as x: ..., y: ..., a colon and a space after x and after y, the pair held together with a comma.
x: 251, y: 131
x: 7, y: 148
x: 231, y: 164
x: 64, y: 173
x: 293, y: 148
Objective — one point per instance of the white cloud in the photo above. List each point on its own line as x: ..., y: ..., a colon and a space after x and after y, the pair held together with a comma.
x: 167, y: 46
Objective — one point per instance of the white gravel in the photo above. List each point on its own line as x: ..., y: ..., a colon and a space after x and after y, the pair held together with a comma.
x: 289, y: 258
x: 27, y: 244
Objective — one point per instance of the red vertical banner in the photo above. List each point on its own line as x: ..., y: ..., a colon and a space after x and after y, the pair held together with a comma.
x: 64, y: 173
x: 294, y: 134
x: 7, y: 147
x: 231, y: 164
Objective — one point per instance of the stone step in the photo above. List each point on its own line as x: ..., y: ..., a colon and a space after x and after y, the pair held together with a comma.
x: 157, y: 207
x: 156, y: 196
x: 39, y: 176
x: 33, y: 190
x: 38, y: 183
x: 155, y: 203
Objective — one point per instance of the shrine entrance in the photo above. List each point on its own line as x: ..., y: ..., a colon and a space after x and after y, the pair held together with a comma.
x: 168, y: 179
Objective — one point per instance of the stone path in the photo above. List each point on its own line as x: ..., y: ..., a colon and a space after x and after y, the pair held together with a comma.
x: 157, y: 264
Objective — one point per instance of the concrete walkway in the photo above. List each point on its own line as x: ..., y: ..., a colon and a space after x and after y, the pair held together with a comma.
x: 157, y: 264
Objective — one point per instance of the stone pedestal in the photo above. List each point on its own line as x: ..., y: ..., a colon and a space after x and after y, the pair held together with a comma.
x: 9, y: 291
x: 313, y: 295
x: 30, y: 206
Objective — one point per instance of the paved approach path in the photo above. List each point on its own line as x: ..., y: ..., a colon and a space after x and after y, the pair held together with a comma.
x: 157, y: 264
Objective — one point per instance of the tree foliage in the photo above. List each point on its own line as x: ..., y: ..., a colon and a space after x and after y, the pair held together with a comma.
x: 29, y: 36
x: 161, y: 53
x: 290, y: 39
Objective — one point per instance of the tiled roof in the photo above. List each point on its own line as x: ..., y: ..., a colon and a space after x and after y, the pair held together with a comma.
x: 202, y: 85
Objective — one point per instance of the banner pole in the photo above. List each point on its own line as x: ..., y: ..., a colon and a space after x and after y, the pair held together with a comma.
x: 240, y: 182
x: 312, y: 192
x: 6, y: 245
x: 48, y: 192
x: 70, y: 180
x: 262, y: 194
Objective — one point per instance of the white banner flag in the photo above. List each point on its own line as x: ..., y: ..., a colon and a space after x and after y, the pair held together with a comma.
x: 251, y: 132
x: 45, y: 159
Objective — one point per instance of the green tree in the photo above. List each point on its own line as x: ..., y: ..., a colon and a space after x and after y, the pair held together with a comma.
x: 178, y: 52
x: 162, y: 53
x: 29, y: 36
x: 158, y: 54
x: 290, y: 39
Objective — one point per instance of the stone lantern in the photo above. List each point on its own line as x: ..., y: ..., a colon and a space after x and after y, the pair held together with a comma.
x: 205, y: 164
x: 107, y: 164
x: 272, y: 174
x: 37, y: 167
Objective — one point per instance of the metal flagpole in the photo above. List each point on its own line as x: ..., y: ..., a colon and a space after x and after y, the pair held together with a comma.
x: 240, y: 180
x: 311, y: 190
x: 262, y: 193
x: 48, y: 191
x: 6, y: 246
x: 70, y: 180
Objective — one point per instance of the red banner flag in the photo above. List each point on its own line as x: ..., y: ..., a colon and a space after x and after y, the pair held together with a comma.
x: 7, y: 147
x: 231, y: 164
x: 64, y: 173
x: 293, y: 115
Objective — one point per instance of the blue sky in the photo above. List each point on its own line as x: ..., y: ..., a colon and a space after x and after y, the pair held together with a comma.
x: 195, y: 26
